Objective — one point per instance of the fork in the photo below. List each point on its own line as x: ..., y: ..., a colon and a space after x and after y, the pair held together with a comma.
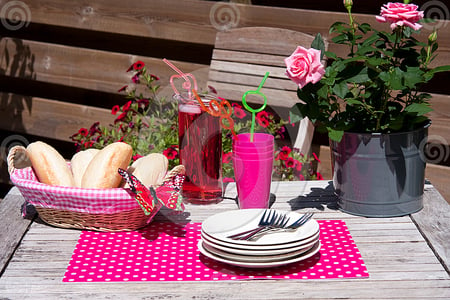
x: 263, y: 222
x: 292, y: 227
x: 280, y: 221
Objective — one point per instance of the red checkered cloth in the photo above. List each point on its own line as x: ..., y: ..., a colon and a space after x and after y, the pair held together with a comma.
x: 92, y: 201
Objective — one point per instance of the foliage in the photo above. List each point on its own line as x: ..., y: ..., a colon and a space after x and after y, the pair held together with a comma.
x: 376, y: 87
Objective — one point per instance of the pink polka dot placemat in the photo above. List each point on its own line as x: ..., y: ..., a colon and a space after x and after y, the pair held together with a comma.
x: 165, y: 251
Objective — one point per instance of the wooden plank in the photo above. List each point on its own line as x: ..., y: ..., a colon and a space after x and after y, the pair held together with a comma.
x: 263, y: 40
x: 248, y: 57
x: 433, y: 222
x: 142, y: 19
x: 79, y: 67
x: 440, y: 118
x: 50, y: 118
x: 12, y: 226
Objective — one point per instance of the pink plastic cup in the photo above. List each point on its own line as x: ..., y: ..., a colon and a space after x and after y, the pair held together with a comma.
x: 256, y: 155
x: 252, y: 148
x: 259, y: 139
x: 253, y: 179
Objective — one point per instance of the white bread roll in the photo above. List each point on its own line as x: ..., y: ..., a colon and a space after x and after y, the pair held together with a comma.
x: 150, y: 169
x: 49, y: 165
x: 101, y: 173
x: 79, y: 163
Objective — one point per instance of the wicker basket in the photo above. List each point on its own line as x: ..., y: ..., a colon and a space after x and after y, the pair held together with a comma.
x: 72, y: 207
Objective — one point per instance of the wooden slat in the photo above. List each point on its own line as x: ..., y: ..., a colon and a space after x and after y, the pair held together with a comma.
x: 263, y: 40
x: 248, y: 57
x: 437, y: 231
x: 50, y: 118
x: 217, y: 75
x: 79, y: 67
x: 170, y: 19
x: 12, y: 226
x: 440, y: 118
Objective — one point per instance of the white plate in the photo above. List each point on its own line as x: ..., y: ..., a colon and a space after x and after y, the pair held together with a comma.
x: 256, y: 258
x: 301, y: 257
x: 259, y: 250
x: 222, y: 225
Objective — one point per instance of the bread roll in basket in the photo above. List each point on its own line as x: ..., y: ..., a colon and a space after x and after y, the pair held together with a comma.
x: 110, y: 209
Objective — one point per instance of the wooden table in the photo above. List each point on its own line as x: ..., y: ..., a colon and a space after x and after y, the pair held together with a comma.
x: 407, y: 257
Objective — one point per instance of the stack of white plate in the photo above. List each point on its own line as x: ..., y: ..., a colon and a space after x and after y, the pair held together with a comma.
x: 269, y: 250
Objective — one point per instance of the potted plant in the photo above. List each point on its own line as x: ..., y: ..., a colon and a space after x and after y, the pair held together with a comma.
x: 370, y: 104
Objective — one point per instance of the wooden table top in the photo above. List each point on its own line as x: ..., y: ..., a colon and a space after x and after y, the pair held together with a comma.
x: 406, y: 257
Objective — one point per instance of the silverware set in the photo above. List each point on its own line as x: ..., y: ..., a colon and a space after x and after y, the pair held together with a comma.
x: 270, y: 222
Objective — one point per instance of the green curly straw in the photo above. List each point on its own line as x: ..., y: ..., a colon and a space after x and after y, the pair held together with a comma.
x: 254, y: 111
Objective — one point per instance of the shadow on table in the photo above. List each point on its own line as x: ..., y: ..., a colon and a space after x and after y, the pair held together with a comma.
x: 272, y: 199
x: 318, y: 198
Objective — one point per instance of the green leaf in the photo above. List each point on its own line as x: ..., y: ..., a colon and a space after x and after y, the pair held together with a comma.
x: 331, y: 54
x: 439, y: 69
x: 360, y: 77
x: 418, y: 108
x: 353, y: 101
x: 340, y: 39
x: 319, y: 44
x: 323, y: 92
x: 365, y: 27
x: 335, y: 135
x: 412, y: 77
x: 295, y: 113
x: 393, y: 79
x: 340, y: 89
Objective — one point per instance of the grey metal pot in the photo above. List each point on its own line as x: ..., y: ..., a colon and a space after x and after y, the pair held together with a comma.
x: 380, y: 175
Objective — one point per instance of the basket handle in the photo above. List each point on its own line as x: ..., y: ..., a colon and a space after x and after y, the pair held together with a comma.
x: 17, y: 159
x: 177, y: 170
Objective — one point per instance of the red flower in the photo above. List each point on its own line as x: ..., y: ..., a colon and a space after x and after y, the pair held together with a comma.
x: 115, y: 109
x: 122, y: 88
x: 299, y: 166
x: 284, y: 153
x: 127, y: 105
x: 301, y: 177
x: 262, y: 119
x: 139, y: 65
x: 170, y: 153
x: 135, y: 77
x: 154, y: 77
x: 238, y: 111
x: 286, y: 150
x: 290, y: 162
x: 94, y: 128
x: 316, y: 157
x: 281, y: 131
x: 83, y: 131
x: 319, y: 176
x: 121, y: 117
x: 88, y: 144
x: 226, y: 157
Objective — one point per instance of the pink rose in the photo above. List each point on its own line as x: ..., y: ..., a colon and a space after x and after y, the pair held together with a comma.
x: 304, y: 66
x: 400, y: 14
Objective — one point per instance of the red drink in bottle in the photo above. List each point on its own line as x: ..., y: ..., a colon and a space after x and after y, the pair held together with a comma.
x: 200, y: 142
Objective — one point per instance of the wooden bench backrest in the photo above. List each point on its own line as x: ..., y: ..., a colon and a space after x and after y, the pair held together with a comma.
x: 240, y: 59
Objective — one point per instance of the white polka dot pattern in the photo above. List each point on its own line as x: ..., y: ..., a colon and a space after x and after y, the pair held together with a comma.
x: 168, y: 252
